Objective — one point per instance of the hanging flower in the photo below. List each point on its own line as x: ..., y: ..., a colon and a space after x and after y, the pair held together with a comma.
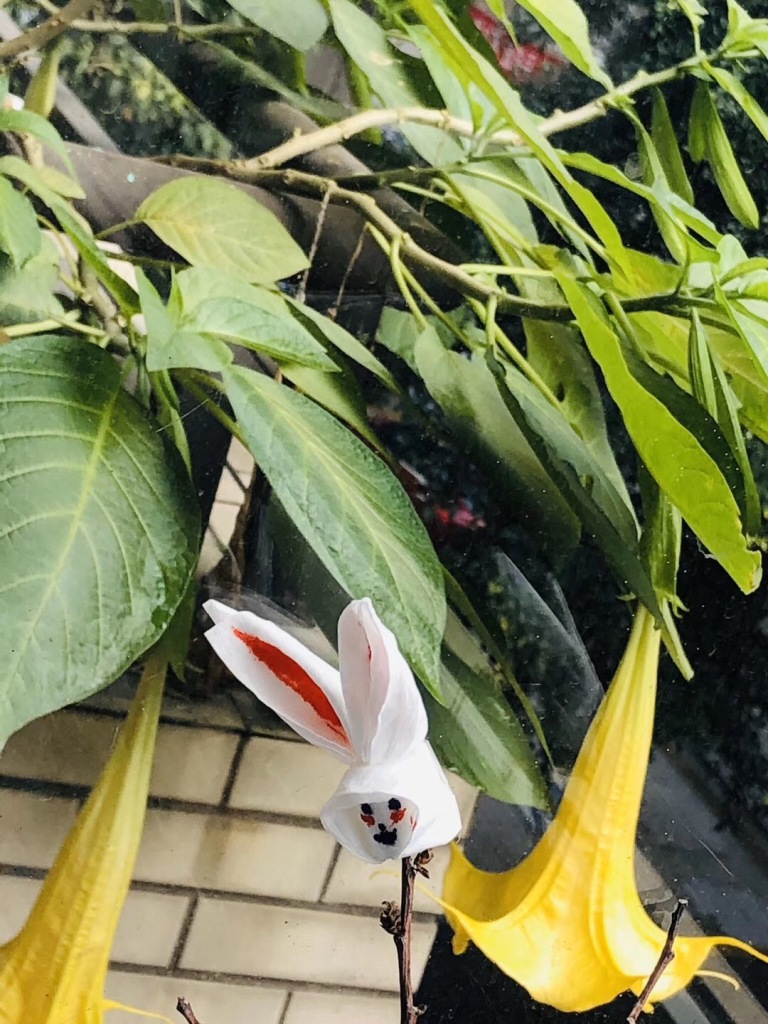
x: 54, y: 971
x: 394, y: 800
x: 567, y: 923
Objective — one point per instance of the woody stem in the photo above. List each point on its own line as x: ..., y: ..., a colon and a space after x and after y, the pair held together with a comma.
x: 402, y: 936
x: 666, y: 957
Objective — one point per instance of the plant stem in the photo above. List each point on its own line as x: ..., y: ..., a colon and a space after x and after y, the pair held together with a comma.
x: 397, y: 920
x: 186, y: 1011
x: 41, y: 35
x: 666, y: 957
x: 367, y: 119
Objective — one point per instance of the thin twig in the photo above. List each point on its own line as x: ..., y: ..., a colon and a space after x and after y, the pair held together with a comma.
x: 363, y: 121
x: 666, y: 957
x: 186, y: 1011
x: 333, y: 312
x: 301, y: 291
x: 397, y: 921
x: 36, y: 38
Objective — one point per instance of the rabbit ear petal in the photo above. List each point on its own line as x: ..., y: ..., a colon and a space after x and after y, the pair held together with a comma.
x: 300, y: 687
x: 385, y: 710
x: 387, y: 811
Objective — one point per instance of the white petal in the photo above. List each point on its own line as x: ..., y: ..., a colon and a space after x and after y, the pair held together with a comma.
x: 362, y: 816
x: 300, y: 687
x: 386, y: 716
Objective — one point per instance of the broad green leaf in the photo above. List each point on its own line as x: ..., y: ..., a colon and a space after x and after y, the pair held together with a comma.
x: 100, y: 526
x: 19, y: 232
x: 476, y: 735
x: 331, y: 333
x: 76, y: 228
x: 665, y: 141
x: 300, y: 23
x: 26, y: 295
x: 26, y: 121
x: 604, y: 510
x: 280, y: 336
x: 680, y: 465
x: 565, y: 22
x: 169, y: 345
x: 214, y: 224
x: 215, y: 304
x: 722, y: 160
x: 467, y: 393
x: 386, y: 69
x: 398, y: 332
x: 338, y: 393
x: 351, y: 510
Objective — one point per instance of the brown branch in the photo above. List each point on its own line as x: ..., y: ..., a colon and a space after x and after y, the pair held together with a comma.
x: 186, y: 1011
x: 36, y: 38
x: 397, y: 921
x: 666, y: 957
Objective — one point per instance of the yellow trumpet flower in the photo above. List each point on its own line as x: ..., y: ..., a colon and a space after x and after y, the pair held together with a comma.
x: 55, y: 969
x: 567, y: 923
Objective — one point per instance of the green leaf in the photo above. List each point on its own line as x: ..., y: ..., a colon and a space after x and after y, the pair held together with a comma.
x: 331, y: 333
x: 338, y: 393
x: 26, y: 121
x: 398, y: 332
x: 214, y: 224
x: 565, y: 22
x: 100, y: 527
x: 476, y: 735
x: 738, y: 92
x: 604, y: 510
x: 684, y: 470
x: 387, y: 70
x: 300, y: 23
x: 26, y: 295
x: 168, y: 344
x: 19, y: 232
x: 722, y: 160
x: 694, y: 12
x: 280, y: 336
x: 711, y: 388
x: 77, y: 229
x: 467, y: 393
x: 351, y: 510
x: 665, y: 141
x: 469, y: 65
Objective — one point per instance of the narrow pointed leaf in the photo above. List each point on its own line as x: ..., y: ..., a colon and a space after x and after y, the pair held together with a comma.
x: 674, y: 456
x: 565, y: 22
x: 351, y: 510
x: 665, y: 140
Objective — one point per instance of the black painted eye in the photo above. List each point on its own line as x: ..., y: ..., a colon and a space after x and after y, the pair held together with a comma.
x: 394, y: 805
x: 366, y: 808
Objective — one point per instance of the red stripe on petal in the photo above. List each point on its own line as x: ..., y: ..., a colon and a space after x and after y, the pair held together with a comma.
x: 295, y: 678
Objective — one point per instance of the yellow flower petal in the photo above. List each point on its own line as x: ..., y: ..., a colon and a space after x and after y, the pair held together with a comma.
x: 567, y: 923
x: 54, y: 971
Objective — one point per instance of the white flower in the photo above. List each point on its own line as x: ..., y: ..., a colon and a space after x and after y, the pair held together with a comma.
x: 394, y: 801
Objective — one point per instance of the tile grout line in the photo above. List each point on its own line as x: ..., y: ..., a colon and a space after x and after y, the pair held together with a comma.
x: 249, y: 980
x: 286, y: 1008
x: 77, y: 791
x: 329, y: 873
x: 184, y: 930
x: 231, y: 896
x: 234, y: 768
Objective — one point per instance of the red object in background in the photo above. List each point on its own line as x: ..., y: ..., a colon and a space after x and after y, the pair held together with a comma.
x: 523, y: 65
x: 443, y: 522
